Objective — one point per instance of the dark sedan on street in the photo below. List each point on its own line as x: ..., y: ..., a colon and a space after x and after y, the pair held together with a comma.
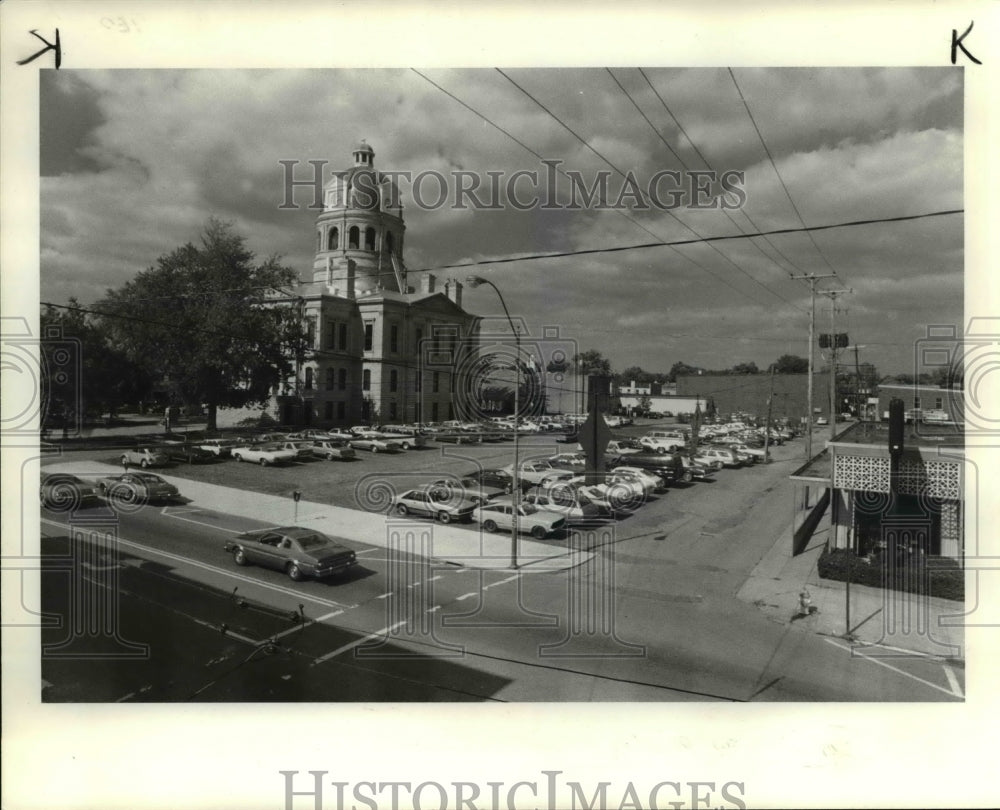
x: 137, y: 487
x: 65, y: 491
x: 296, y: 551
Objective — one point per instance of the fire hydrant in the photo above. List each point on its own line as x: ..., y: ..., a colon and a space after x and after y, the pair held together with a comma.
x: 806, y: 607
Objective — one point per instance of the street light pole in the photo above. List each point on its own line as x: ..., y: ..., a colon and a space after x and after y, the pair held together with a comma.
x: 475, y: 281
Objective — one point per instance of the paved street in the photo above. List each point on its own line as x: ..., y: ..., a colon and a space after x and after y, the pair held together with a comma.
x: 649, y: 613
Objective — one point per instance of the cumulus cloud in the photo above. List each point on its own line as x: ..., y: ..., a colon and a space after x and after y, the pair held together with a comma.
x: 134, y: 163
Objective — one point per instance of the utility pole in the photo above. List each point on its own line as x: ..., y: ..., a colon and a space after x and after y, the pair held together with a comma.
x: 812, y: 278
x: 832, y: 295
x: 767, y: 423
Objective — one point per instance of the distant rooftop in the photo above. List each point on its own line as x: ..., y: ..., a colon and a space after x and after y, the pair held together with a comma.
x: 950, y: 434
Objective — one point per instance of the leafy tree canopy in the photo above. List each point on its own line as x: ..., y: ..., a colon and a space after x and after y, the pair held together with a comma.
x: 201, y: 317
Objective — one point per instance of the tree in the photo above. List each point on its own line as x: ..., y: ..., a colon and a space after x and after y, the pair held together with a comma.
x: 680, y: 368
x: 592, y: 362
x: 98, y: 377
x: 791, y: 364
x: 745, y: 368
x: 639, y: 375
x: 202, y: 318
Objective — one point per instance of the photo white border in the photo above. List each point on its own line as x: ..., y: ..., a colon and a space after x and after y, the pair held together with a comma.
x: 224, y: 756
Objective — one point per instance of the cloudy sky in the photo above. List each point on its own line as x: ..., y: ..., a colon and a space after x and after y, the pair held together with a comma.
x: 135, y: 161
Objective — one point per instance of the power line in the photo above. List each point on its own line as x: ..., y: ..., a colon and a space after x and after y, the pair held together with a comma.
x: 709, y: 165
x: 565, y: 174
x: 677, y: 219
x: 774, y: 166
x: 680, y: 160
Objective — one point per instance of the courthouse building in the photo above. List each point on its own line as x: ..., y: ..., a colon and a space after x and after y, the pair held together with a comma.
x: 382, y: 347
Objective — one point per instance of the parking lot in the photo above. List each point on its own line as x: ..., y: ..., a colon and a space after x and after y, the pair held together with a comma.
x: 371, y: 480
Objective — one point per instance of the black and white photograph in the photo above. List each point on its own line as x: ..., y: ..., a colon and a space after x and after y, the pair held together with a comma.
x: 340, y: 391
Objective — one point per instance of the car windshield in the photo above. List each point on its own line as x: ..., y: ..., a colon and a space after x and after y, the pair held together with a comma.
x: 148, y: 478
x: 528, y: 509
x: 60, y: 478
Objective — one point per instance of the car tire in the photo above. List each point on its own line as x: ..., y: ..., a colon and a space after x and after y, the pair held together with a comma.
x: 104, y: 490
x: 405, y: 445
x: 238, y: 456
x: 124, y: 460
x: 374, y: 449
x: 489, y: 525
x: 294, y: 572
x: 239, y: 557
x: 263, y: 462
x: 402, y: 510
x: 688, y: 477
x: 144, y: 464
x: 444, y: 517
x: 538, y: 532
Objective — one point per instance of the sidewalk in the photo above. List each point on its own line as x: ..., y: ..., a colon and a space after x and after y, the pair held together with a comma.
x: 449, y: 544
x: 886, y: 619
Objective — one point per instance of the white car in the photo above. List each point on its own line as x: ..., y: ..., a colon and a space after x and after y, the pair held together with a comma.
x: 265, y: 454
x: 658, y: 444
x: 332, y: 449
x: 495, y: 516
x: 375, y: 444
x: 649, y: 481
x: 539, y: 472
x: 567, y: 501
x: 302, y: 449
x: 220, y: 447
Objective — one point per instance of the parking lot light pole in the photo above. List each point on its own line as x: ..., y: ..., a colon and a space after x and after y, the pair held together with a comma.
x: 475, y: 281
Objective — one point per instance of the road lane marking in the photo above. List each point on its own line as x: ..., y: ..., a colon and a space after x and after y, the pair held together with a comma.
x: 358, y: 642
x: 216, y: 570
x: 465, y: 596
x: 432, y: 579
x: 953, y: 681
x: 214, y: 526
x: 904, y: 673
x: 433, y: 609
x: 306, y: 624
x: 384, y: 595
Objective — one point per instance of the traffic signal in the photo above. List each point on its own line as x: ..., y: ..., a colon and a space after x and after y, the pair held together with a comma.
x: 824, y: 341
x: 842, y: 340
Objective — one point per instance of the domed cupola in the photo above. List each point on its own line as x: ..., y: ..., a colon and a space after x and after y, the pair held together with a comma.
x: 360, y: 230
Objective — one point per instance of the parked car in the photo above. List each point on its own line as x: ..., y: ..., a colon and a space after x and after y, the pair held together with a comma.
x: 301, y: 449
x: 309, y: 434
x: 727, y: 457
x: 297, y: 551
x: 566, y: 500
x: 442, y: 503
x: 331, y: 449
x: 265, y: 454
x: 407, y: 437
x: 539, y: 472
x: 568, y: 461
x: 539, y: 524
x: 374, y: 444
x: 220, y: 448
x: 622, y: 447
x: 667, y: 466
x: 470, y: 488
x: 660, y: 444
x: 501, y: 479
x: 696, y: 471
x: 63, y: 490
x: 145, y: 457
x: 136, y: 487
x: 182, y: 451
x: 648, y: 482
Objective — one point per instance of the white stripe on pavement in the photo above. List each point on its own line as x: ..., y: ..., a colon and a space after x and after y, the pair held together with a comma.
x: 357, y: 643
x: 882, y: 663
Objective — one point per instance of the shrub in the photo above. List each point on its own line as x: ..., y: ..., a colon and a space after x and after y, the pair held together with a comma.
x: 943, y: 578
